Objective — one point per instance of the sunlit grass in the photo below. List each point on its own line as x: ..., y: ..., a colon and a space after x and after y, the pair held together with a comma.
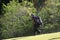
x: 52, y: 36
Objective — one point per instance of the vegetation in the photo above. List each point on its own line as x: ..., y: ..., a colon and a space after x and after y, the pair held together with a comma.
x: 15, y: 19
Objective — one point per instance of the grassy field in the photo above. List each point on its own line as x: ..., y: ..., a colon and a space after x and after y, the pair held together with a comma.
x: 51, y: 36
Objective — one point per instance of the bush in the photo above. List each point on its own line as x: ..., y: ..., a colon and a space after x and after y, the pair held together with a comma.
x: 50, y: 15
x: 16, y: 19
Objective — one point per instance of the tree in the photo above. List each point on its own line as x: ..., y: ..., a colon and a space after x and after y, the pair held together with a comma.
x: 38, y: 4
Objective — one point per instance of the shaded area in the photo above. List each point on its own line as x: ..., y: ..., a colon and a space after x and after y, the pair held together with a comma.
x: 0, y: 31
x: 55, y: 38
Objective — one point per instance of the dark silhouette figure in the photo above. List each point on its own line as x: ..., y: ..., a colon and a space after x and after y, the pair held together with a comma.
x: 36, y: 23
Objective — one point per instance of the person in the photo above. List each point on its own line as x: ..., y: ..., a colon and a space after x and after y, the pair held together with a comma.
x: 36, y: 23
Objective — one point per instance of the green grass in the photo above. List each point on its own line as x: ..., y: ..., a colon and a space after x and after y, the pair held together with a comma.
x: 51, y: 36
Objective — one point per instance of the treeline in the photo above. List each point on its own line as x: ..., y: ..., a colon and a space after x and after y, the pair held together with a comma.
x: 15, y: 17
x: 5, y: 2
x: 36, y: 2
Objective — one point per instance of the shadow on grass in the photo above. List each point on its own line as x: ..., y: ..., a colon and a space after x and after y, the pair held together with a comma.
x: 55, y: 38
x: 32, y: 35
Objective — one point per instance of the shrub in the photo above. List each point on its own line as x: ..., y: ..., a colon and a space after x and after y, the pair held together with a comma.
x: 16, y: 19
